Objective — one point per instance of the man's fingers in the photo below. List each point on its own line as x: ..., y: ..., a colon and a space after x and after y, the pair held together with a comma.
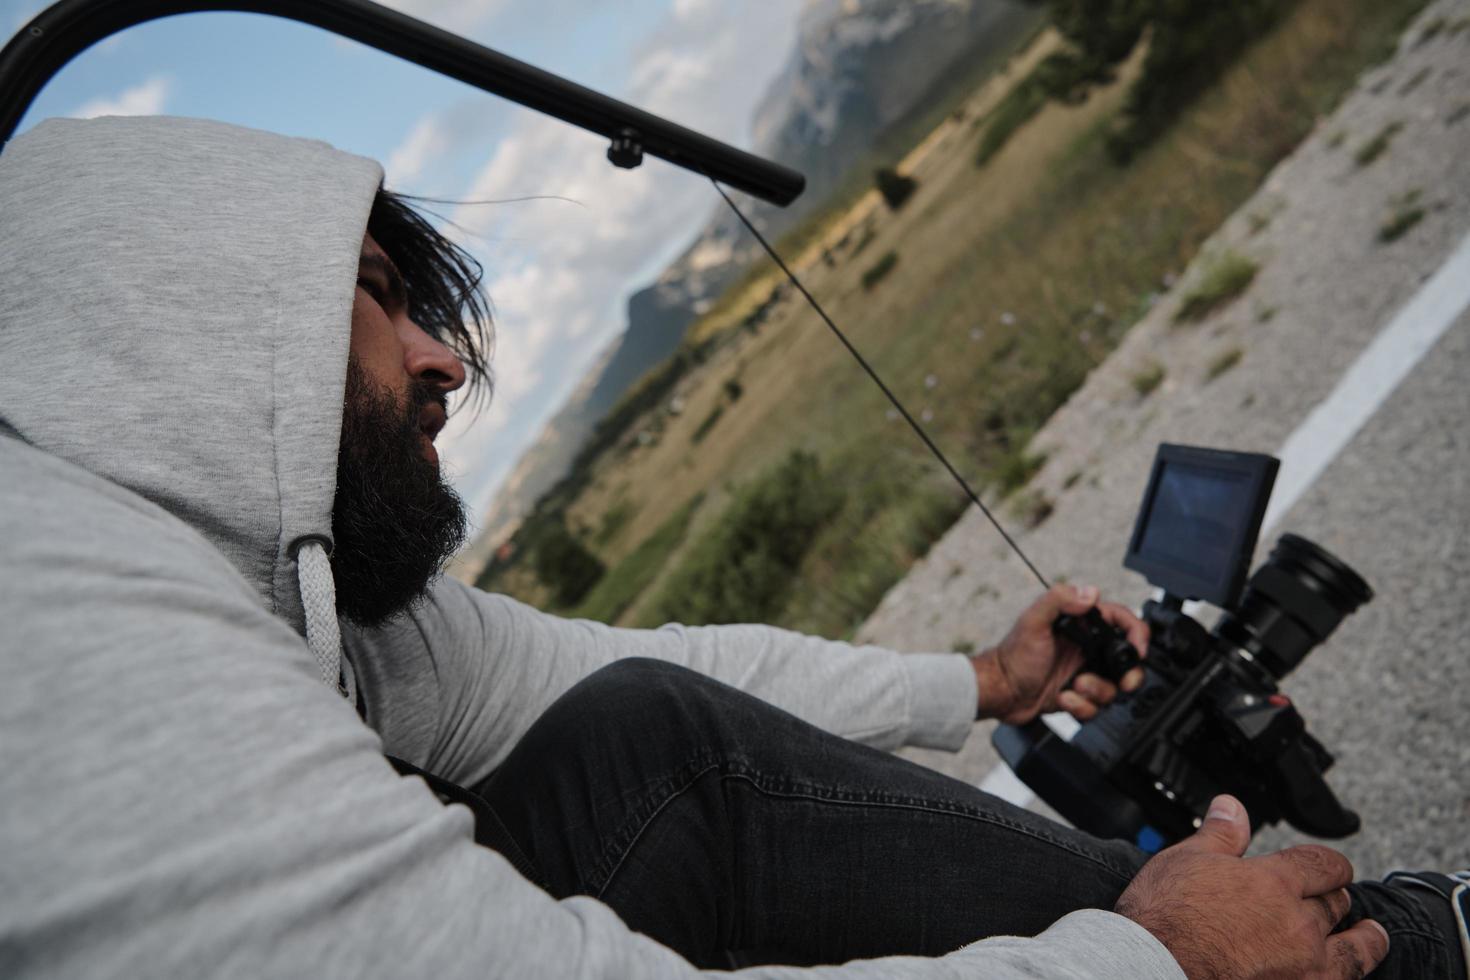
x: 1331, y: 907
x: 1318, y: 869
x: 1123, y: 618
x: 1076, y: 705
x: 1096, y: 689
x: 1226, y: 829
x: 1356, y: 952
x: 1074, y: 600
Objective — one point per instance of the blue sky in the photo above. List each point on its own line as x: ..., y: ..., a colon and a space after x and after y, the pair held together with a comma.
x: 558, y: 272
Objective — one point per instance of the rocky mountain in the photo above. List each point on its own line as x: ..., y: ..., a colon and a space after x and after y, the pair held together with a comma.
x: 861, y: 69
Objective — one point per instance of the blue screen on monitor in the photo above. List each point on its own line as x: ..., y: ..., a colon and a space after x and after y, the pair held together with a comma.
x: 1197, y: 518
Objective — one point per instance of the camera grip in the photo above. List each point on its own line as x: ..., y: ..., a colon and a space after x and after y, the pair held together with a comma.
x: 1105, y: 648
x: 1306, y: 800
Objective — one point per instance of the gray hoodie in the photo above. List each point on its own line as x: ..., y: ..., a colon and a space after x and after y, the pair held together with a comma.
x: 182, y: 795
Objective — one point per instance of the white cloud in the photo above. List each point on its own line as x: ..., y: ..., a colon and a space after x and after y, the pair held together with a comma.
x: 147, y: 99
x: 560, y: 274
x: 424, y: 142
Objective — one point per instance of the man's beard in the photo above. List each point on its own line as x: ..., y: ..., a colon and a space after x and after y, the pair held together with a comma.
x: 395, y: 521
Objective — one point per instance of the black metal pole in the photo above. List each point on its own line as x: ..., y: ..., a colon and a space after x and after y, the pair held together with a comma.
x: 67, y: 28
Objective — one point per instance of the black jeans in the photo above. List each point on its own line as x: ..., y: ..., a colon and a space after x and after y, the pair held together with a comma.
x: 737, y: 834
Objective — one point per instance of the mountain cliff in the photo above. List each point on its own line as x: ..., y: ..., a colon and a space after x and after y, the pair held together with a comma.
x: 861, y: 70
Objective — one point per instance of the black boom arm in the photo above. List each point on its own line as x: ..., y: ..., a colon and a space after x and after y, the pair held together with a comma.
x: 67, y: 28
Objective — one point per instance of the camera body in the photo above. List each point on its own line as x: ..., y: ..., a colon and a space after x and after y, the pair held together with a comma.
x: 1209, y: 717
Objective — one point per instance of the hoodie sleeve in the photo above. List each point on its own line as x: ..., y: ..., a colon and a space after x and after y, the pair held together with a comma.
x: 184, y: 798
x: 497, y: 664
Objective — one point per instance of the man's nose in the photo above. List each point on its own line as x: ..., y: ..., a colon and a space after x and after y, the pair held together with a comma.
x: 426, y: 359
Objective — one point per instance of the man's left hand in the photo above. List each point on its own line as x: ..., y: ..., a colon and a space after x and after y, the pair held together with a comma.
x: 1026, y: 675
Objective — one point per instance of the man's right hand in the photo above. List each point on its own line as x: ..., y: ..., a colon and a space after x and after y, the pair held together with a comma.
x: 1227, y: 917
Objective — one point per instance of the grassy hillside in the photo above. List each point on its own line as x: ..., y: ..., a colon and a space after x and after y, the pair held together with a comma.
x: 1007, y: 283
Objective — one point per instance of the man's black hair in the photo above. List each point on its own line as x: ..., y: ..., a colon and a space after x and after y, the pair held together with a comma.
x: 443, y: 285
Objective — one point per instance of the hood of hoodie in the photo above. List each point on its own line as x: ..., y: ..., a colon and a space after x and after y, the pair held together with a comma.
x: 176, y: 316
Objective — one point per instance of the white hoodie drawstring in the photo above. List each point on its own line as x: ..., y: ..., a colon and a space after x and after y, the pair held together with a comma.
x: 319, y: 600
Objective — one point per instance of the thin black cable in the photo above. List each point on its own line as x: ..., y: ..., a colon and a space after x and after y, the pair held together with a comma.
x: 938, y: 453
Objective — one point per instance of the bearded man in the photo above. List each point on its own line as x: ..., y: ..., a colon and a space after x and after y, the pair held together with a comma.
x: 232, y: 673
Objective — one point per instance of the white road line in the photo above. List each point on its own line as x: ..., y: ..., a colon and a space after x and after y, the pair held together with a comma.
x: 1330, y: 426
x: 1367, y: 384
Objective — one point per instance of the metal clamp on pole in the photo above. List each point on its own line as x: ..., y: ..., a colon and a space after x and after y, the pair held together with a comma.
x: 626, y: 150
x: 65, y: 29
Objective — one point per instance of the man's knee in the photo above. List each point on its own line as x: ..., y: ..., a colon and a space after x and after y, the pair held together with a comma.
x: 642, y: 699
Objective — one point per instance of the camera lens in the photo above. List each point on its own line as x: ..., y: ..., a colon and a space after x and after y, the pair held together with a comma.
x: 1293, y: 602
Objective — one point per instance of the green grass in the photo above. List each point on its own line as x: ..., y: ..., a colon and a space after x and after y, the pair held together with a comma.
x: 1223, y: 362
x: 879, y: 270
x: 897, y: 503
x: 1016, y: 109
x: 1378, y: 145
x: 707, y: 424
x: 1015, y: 470
x: 614, y: 520
x: 625, y: 581
x: 1223, y: 280
x: 1432, y: 30
x: 1032, y: 508
x: 740, y: 569
x: 1148, y: 379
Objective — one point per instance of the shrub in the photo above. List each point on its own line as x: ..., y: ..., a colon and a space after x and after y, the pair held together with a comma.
x: 895, y: 187
x: 707, y: 424
x: 1378, y: 145
x: 1223, y: 362
x: 740, y: 570
x: 1148, y: 379
x: 1223, y: 280
x: 1032, y: 508
x: 879, y: 269
x: 1405, y: 213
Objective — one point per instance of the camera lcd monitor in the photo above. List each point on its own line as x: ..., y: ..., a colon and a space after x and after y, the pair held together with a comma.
x: 1199, y: 520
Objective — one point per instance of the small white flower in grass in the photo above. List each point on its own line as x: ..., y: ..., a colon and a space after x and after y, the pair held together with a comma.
x: 1100, y: 308
x: 1008, y: 318
x: 927, y: 416
x: 976, y: 333
x: 931, y: 381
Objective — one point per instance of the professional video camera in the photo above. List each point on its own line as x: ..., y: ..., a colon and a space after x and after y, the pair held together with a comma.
x: 1209, y: 717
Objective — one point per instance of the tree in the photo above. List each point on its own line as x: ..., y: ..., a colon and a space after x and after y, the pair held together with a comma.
x: 1189, y: 44
x: 564, y: 564
x: 894, y: 186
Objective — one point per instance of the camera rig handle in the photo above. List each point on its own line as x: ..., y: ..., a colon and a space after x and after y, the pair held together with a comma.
x: 1106, y: 650
x: 62, y: 31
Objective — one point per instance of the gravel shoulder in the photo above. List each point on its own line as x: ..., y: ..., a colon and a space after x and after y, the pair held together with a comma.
x: 1389, y: 694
